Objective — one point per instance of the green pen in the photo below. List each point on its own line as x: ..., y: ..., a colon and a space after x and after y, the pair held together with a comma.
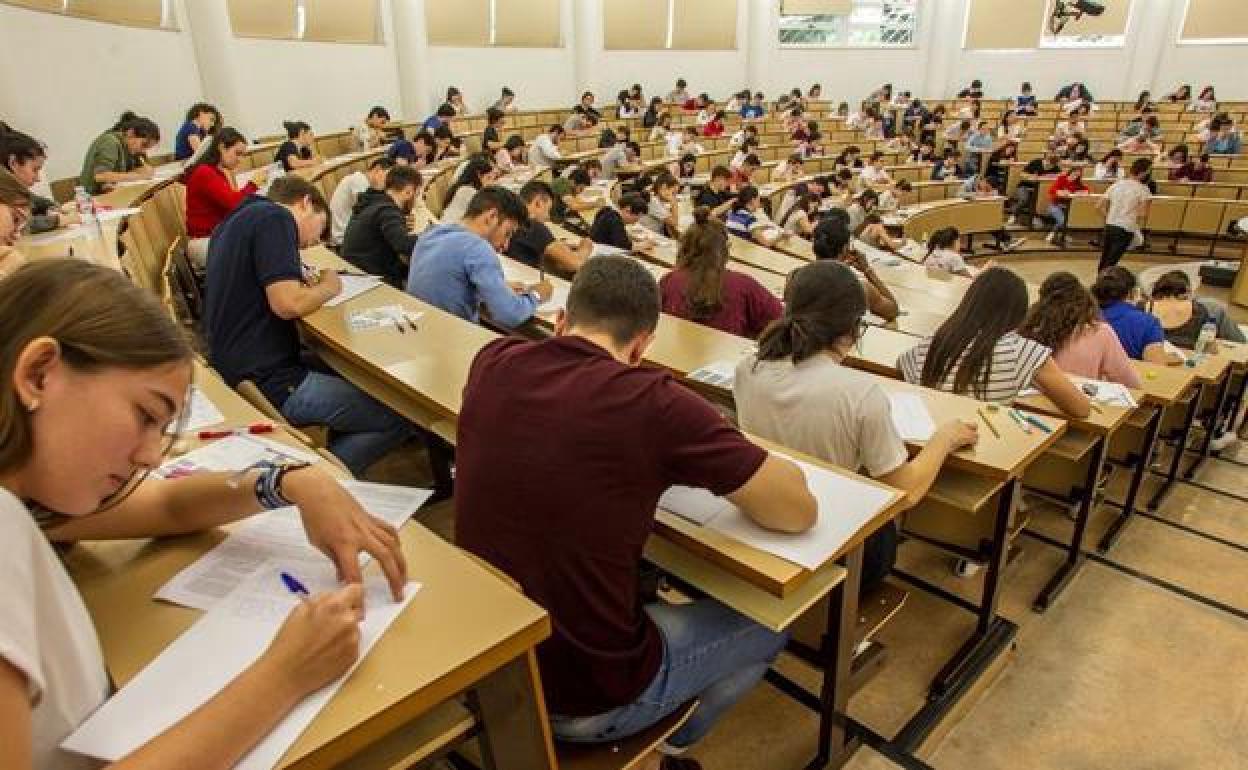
x: 1018, y: 418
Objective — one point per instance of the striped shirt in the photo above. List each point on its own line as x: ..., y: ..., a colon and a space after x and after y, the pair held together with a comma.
x: 1015, y: 361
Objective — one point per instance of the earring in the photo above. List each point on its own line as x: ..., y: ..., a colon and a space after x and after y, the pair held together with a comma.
x: 32, y: 406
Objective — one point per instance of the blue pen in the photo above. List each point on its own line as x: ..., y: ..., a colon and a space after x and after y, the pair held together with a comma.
x: 294, y: 586
x: 1038, y: 423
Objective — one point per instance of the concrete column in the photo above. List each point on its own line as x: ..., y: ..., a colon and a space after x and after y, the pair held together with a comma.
x: 761, y: 39
x: 587, y: 43
x: 411, y: 53
x: 207, y: 23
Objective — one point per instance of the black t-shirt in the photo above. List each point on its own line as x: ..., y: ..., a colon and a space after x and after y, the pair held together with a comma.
x: 609, y: 229
x: 489, y: 135
x: 529, y: 244
x: 709, y: 198
x: 1037, y: 167
x: 289, y: 148
x: 255, y: 246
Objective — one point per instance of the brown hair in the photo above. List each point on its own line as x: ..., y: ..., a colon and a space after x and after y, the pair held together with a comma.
x: 99, y: 319
x: 291, y: 189
x: 823, y: 302
x: 704, y: 255
x: 1174, y: 284
x: 13, y: 192
x: 1063, y: 309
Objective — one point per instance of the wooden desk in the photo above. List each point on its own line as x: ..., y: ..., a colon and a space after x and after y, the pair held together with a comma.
x: 466, y: 631
x: 96, y: 244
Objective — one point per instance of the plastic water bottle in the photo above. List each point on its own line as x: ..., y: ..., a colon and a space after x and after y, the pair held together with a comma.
x: 86, y: 206
x: 1208, y: 333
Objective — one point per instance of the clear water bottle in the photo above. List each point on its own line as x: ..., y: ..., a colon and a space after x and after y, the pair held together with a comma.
x: 1208, y: 333
x: 85, y: 204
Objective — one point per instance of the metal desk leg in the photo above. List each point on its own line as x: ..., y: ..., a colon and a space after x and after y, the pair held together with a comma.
x: 836, y: 745
x: 1179, y: 449
x: 1137, y: 477
x: 1211, y: 427
x: 1074, y: 556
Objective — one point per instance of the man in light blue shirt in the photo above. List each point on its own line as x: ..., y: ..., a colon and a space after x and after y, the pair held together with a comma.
x: 456, y: 267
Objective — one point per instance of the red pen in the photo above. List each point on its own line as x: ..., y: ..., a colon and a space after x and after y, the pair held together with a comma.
x: 249, y: 430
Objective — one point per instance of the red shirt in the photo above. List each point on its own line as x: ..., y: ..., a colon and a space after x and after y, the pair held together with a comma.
x: 746, y: 307
x: 210, y: 199
x: 713, y: 128
x: 1064, y: 182
x: 561, y: 456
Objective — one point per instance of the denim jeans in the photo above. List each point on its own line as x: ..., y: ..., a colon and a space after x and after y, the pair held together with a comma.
x: 362, y: 429
x: 709, y: 652
x: 1058, y: 214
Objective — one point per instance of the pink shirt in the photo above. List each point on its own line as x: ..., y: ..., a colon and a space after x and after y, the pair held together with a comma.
x: 1096, y: 353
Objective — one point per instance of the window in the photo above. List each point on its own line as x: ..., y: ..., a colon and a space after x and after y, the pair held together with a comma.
x: 1063, y: 30
x: 849, y: 23
x: 324, y: 21
x: 483, y: 23
x: 649, y: 25
x: 1214, y: 22
x: 153, y: 14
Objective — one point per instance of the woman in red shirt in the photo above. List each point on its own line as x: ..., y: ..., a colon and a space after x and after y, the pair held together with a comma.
x: 211, y: 193
x: 703, y: 289
x: 714, y: 126
x: 1067, y: 184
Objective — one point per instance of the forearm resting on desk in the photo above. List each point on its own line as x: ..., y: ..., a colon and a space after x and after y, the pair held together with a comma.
x: 776, y: 497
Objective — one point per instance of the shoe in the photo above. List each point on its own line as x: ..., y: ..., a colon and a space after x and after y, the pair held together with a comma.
x: 679, y: 763
x: 964, y: 568
x: 1014, y: 244
x: 1012, y: 221
x: 1052, y: 236
x: 1222, y: 441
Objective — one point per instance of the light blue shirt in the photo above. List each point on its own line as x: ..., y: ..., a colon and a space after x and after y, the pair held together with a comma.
x: 1229, y: 145
x: 458, y: 271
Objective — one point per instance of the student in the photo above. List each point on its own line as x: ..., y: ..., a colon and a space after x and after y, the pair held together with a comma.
x: 417, y: 152
x: 1225, y: 141
x: 1183, y: 315
x: 256, y: 289
x: 570, y: 197
x: 15, y: 202
x: 545, y: 151
x: 506, y: 100
x: 588, y: 108
x: 746, y: 219
x: 118, y: 154
x: 1072, y: 125
x: 439, y: 119
x: 862, y: 204
x: 716, y: 194
x: 650, y: 118
x: 680, y: 94
x: 947, y: 166
x: 818, y: 186
x: 202, y: 120
x: 24, y: 156
x: 799, y: 218
x: 1198, y: 170
x: 1148, y: 127
x: 298, y: 151
x: 1081, y: 153
x: 743, y: 176
x: 701, y: 288
x: 978, y: 353
x: 1036, y: 171
x: 610, y: 226
x: 580, y: 121
x: 1139, y: 332
x: 98, y: 360
x: 832, y: 240
x: 614, y: 664
x: 624, y: 106
x: 455, y: 98
x: 890, y: 197
x: 715, y: 126
x: 997, y: 169
x: 626, y: 153
x: 1144, y: 103
x: 1068, y: 184
x: 211, y: 192
x: 491, y: 142
x: 511, y: 155
x: 979, y: 187
x: 372, y: 134
x: 1206, y: 102
x: 747, y: 148
x: 684, y: 143
x: 445, y: 144
x: 348, y: 191
x: 1010, y: 129
x: 1066, y: 319
x: 663, y: 212
x: 914, y: 118
x: 744, y: 134
x: 478, y: 174
x: 1180, y: 95
x: 455, y: 266
x: 942, y: 253
x: 534, y: 244
x: 1125, y: 207
x: 754, y: 110
x: 788, y: 170
x: 1139, y: 143
x: 377, y: 240
x: 874, y: 173
x: 1110, y: 167
x: 815, y: 93
x: 797, y: 392
x: 1025, y: 103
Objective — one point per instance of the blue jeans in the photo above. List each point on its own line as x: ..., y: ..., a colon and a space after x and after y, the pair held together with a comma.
x: 709, y: 652
x: 1058, y: 213
x: 362, y: 429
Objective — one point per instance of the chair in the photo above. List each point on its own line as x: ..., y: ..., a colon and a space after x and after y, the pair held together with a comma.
x: 627, y: 753
x: 63, y: 189
x: 314, y: 436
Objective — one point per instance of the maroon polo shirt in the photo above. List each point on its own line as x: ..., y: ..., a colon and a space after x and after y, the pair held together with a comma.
x: 746, y: 306
x: 561, y: 457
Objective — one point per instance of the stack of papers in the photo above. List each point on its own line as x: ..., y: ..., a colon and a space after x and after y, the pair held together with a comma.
x: 376, y: 317
x: 352, y: 287
x: 233, y: 453
x: 846, y: 504
x: 558, y: 299
x: 910, y: 416
x: 603, y: 250
x: 1108, y: 393
x: 721, y: 374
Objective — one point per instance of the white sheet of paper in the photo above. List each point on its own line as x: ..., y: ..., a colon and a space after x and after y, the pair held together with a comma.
x: 1108, y: 393
x: 278, y: 536
x: 211, y: 653
x: 911, y: 417
x: 696, y: 505
x: 1170, y: 347
x: 388, y: 316
x: 200, y: 412
x: 233, y: 453
x: 558, y: 299
x: 352, y: 287
x: 109, y: 215
x: 604, y: 250
x: 845, y: 505
x: 721, y: 374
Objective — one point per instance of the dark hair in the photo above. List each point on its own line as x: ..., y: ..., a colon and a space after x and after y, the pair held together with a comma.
x: 823, y: 302
x: 226, y: 138
x: 499, y: 199
x: 379, y: 112
x: 555, y: 128
x: 680, y: 83
x: 1181, y: 149
x: 994, y: 305
x: 508, y: 92
x: 1113, y: 284
x: 513, y: 141
x: 199, y: 108
x: 382, y: 161
x: 1114, y: 153
x: 492, y: 114
x: 745, y: 195
x: 452, y: 92
x: 399, y: 178
x: 294, y: 128
x: 942, y: 239
x: 1063, y: 308
x: 579, y: 176
x: 636, y: 202
x: 536, y: 188
x: 445, y: 111
x: 292, y: 188
x: 831, y: 236
x: 751, y: 160
x: 1174, y: 284
x: 476, y: 167
x: 443, y: 132
x: 1141, y: 166
x: 721, y: 172
x: 16, y: 147
x: 615, y: 295
x: 13, y: 192
x: 141, y: 127
x: 803, y: 203
x: 704, y: 254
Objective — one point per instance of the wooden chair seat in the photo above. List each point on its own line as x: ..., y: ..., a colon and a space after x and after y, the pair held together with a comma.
x: 315, y: 436
x: 627, y: 753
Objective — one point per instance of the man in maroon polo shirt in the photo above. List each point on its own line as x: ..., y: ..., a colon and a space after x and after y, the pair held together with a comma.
x: 564, y: 447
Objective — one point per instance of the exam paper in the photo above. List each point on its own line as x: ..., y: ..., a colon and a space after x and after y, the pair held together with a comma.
x: 721, y: 374
x: 214, y: 651
x: 696, y: 505
x: 200, y: 412
x: 1108, y: 393
x: 352, y: 287
x: 376, y: 317
x: 911, y: 417
x: 605, y: 250
x: 558, y: 299
x: 278, y: 536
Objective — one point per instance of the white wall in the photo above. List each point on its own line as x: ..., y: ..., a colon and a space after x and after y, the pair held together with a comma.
x: 77, y: 76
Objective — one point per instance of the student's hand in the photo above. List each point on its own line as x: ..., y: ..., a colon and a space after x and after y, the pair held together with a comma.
x: 341, y: 529
x: 854, y: 259
x: 330, y: 280
x: 957, y: 434
x: 544, y: 289
x: 318, y: 642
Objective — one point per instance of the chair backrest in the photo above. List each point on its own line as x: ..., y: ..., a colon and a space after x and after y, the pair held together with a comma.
x: 179, y: 291
x: 63, y: 189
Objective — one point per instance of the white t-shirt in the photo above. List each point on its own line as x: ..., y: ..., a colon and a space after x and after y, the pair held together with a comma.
x: 1015, y: 361
x: 819, y: 407
x: 46, y: 633
x: 1103, y: 172
x: 454, y: 211
x: 873, y: 175
x: 343, y: 201
x: 947, y: 260
x: 656, y: 215
x: 1126, y: 199
x: 544, y: 152
x: 738, y: 160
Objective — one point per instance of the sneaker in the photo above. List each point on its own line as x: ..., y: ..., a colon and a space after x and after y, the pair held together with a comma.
x: 1222, y: 441
x: 964, y: 568
x: 1052, y: 236
x: 1014, y: 244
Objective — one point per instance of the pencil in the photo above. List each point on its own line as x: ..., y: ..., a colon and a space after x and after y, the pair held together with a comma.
x: 988, y: 422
